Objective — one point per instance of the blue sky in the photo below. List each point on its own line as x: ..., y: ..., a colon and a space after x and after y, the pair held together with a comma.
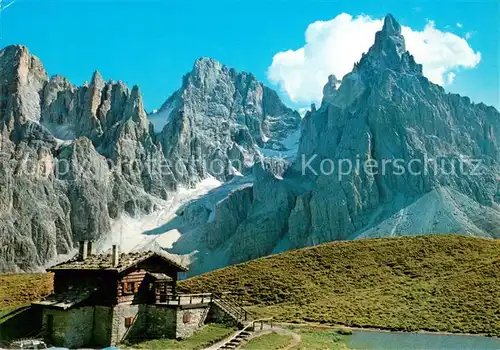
x: 154, y: 43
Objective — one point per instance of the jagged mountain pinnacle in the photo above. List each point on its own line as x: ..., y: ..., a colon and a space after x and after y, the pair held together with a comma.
x: 389, y: 41
x: 221, y: 119
x: 384, y: 112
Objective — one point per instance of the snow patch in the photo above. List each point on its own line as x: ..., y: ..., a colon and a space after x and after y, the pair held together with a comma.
x: 162, y: 117
x: 62, y: 132
x: 233, y: 171
x: 153, y: 230
x: 291, y: 143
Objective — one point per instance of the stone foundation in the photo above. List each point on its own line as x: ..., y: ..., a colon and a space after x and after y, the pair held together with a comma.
x: 161, y: 322
x: 129, y: 321
x: 218, y: 315
x: 103, y: 318
x: 71, y: 328
x: 189, y: 321
x: 103, y: 325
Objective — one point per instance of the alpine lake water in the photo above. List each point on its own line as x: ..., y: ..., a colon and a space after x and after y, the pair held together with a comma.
x: 379, y: 340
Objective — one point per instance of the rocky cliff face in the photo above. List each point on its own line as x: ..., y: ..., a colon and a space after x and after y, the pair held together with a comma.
x: 422, y: 161
x: 72, y: 159
x: 386, y: 111
x: 220, y: 121
x: 387, y: 153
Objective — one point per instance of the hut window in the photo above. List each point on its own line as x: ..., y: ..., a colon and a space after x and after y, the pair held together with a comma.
x: 129, y: 321
x: 186, y: 318
x: 128, y: 288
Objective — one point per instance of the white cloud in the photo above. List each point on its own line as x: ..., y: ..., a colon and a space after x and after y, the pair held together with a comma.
x: 332, y: 47
x: 439, y: 52
x: 449, y: 77
x: 459, y: 25
x: 468, y: 35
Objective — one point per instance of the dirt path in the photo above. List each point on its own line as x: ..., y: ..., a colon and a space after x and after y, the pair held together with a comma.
x: 296, y: 339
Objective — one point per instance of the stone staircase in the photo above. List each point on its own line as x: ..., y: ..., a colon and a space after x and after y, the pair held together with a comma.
x: 237, y: 340
x: 243, y: 335
x: 245, y: 321
x: 241, y: 317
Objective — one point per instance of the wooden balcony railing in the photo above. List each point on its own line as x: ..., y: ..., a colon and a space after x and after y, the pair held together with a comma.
x: 184, y: 299
x: 223, y: 300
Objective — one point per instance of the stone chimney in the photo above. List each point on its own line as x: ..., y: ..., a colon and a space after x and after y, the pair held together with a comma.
x: 83, y: 251
x: 115, y: 257
x: 90, y: 248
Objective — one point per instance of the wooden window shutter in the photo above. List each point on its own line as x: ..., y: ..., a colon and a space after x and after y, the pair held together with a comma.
x: 129, y: 321
x: 186, y: 318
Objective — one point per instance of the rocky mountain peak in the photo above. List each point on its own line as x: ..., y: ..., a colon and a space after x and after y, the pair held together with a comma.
x: 138, y: 111
x: 385, y: 109
x: 206, y: 63
x: 391, y: 25
x: 221, y: 115
x: 23, y: 78
x: 330, y: 88
x: 387, y: 56
x: 97, y: 80
x: 389, y: 41
x: 19, y: 54
x: 206, y: 72
x: 98, y: 131
x: 388, y: 52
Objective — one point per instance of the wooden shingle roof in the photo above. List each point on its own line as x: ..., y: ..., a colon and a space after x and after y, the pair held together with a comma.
x: 160, y: 276
x: 104, y: 262
x: 67, y: 299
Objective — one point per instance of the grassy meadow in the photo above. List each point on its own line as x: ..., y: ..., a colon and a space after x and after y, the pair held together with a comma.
x: 443, y: 283
x: 436, y: 283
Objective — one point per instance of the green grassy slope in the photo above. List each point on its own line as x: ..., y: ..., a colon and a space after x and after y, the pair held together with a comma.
x: 271, y: 341
x: 17, y: 292
x: 437, y: 283
x: 22, y: 289
x: 207, y: 336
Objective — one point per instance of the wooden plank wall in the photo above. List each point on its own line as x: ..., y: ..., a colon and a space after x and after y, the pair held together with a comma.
x: 137, y: 277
